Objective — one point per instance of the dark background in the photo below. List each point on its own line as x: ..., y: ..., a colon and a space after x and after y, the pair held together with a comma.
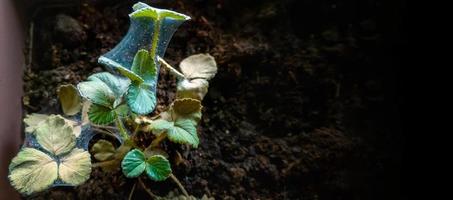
x: 306, y: 103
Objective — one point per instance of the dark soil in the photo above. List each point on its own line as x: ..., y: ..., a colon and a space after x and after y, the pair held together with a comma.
x: 305, y: 104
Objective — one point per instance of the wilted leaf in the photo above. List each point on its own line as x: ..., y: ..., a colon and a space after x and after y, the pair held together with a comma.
x: 75, y: 168
x: 195, y: 89
x: 158, y: 168
x: 186, y: 106
x: 200, y: 66
x: 133, y: 163
x: 103, y: 150
x: 32, y: 171
x: 141, y: 99
x: 55, y: 135
x: 33, y: 120
x: 69, y: 99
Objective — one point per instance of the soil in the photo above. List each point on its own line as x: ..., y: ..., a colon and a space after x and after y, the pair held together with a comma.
x: 305, y: 105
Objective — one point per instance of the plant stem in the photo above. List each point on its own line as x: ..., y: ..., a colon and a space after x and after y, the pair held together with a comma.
x: 155, y: 37
x: 147, y: 190
x: 158, y: 139
x: 121, y: 128
x: 173, y: 177
x: 175, y: 72
x: 132, y: 191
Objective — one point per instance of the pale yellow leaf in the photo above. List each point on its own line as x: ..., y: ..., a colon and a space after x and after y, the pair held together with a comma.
x: 32, y: 171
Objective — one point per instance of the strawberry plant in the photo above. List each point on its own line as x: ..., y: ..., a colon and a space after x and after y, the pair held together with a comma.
x: 118, y: 103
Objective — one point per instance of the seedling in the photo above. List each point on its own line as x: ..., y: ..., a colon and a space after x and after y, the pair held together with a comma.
x: 124, y: 97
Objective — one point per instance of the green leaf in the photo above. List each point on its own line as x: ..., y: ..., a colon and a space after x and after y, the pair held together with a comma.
x: 103, y: 150
x: 118, y: 85
x: 158, y: 168
x: 133, y: 163
x: 75, y: 168
x: 101, y: 115
x: 200, y: 66
x: 142, y: 10
x: 55, y: 135
x: 144, y: 66
x: 103, y: 89
x: 147, y: 12
x: 97, y: 92
x: 160, y: 125
x: 183, y: 131
x: 70, y: 100
x: 32, y: 171
x: 135, y: 78
x: 141, y: 99
x: 186, y: 106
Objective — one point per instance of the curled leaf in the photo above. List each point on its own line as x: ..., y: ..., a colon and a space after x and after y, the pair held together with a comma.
x: 103, y: 150
x: 32, y: 171
x: 200, y: 66
x: 186, y: 106
x: 69, y: 99
x: 195, y: 89
x: 55, y: 135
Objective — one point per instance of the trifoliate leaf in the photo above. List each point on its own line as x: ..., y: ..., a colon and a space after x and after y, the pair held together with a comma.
x: 158, y: 168
x: 144, y: 66
x: 141, y: 99
x: 69, y: 99
x: 133, y: 163
x: 32, y: 171
x: 195, y: 89
x: 117, y: 84
x: 103, y: 150
x: 75, y: 168
x: 186, y: 106
x: 55, y: 135
x: 200, y: 66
